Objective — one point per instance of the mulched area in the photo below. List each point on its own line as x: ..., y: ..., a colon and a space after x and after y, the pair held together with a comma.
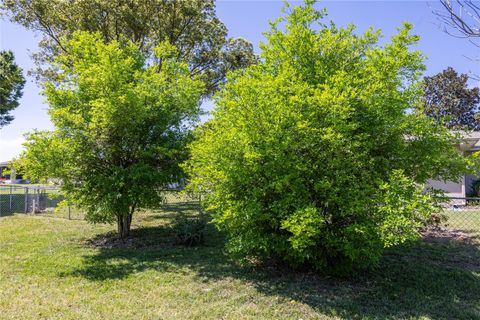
x: 111, y: 241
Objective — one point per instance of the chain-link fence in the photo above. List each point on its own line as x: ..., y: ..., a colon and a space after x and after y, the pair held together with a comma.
x: 45, y: 200
x: 461, y: 214
x: 28, y: 199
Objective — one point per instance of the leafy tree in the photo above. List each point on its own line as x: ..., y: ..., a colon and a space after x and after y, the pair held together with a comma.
x: 191, y: 26
x: 120, y: 127
x: 11, y: 86
x: 448, y: 100
x: 312, y: 156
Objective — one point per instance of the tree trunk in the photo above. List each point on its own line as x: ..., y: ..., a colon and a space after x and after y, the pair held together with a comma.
x: 123, y: 225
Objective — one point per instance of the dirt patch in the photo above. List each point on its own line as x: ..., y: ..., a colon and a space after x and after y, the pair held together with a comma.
x: 446, y: 235
x: 111, y: 241
x: 139, y: 238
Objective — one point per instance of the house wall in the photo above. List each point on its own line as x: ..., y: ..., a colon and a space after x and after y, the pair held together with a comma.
x: 462, y: 188
x: 452, y: 189
x: 470, y: 179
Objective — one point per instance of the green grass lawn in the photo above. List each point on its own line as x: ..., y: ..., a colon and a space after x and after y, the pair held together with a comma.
x: 49, y: 269
x: 466, y: 219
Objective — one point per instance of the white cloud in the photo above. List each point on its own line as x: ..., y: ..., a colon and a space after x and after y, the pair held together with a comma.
x: 10, y: 148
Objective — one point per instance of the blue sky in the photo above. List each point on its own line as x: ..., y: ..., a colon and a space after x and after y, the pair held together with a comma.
x: 248, y: 19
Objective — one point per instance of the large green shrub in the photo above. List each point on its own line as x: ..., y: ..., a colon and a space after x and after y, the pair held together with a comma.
x: 326, y: 108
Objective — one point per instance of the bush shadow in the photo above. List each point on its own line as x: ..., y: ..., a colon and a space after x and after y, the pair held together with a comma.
x: 170, y: 210
x: 437, y: 277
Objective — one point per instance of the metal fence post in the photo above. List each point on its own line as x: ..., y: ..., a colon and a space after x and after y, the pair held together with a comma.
x: 10, y: 204
x: 26, y: 199
x: 36, y: 201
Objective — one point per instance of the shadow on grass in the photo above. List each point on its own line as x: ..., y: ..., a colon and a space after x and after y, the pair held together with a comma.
x: 4, y: 214
x: 169, y: 211
x: 437, y: 277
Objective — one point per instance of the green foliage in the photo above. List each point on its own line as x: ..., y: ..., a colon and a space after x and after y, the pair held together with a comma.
x: 324, y: 109
x: 190, y: 230
x: 475, y: 189
x: 120, y: 127
x: 11, y: 86
x: 191, y: 26
x: 448, y: 99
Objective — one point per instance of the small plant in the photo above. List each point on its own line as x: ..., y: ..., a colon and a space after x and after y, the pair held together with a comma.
x: 190, y: 230
x: 436, y: 220
x: 472, y: 203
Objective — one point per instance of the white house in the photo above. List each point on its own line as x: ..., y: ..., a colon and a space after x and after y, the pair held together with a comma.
x: 461, y: 189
